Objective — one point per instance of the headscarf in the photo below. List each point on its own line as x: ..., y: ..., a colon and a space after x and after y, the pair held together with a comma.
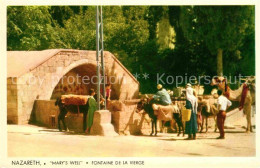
x: 193, y: 100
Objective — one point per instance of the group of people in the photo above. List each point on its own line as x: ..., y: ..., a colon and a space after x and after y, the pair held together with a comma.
x: 162, y: 97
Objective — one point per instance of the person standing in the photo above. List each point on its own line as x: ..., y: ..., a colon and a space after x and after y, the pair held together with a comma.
x: 223, y: 104
x: 92, y: 107
x: 191, y: 103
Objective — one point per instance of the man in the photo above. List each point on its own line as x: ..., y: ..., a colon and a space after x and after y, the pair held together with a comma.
x: 162, y: 96
x: 223, y: 104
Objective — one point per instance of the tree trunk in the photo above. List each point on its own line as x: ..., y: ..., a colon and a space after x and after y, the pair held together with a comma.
x: 220, y: 62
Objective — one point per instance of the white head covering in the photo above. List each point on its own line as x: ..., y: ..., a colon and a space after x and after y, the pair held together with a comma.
x: 192, y: 99
x: 188, y: 85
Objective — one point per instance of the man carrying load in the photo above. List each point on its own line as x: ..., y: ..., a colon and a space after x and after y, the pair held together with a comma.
x: 162, y: 96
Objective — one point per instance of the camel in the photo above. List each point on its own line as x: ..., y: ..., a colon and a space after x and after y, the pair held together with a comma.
x: 236, y: 95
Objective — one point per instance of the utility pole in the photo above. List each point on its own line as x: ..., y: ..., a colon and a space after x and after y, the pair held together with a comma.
x: 100, y: 53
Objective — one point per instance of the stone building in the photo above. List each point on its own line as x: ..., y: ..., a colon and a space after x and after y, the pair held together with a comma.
x: 36, y: 78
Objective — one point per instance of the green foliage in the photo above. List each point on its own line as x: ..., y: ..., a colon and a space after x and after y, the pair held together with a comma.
x: 153, y: 16
x: 79, y: 32
x: 63, y: 13
x: 128, y: 34
x: 222, y: 27
x: 131, y: 34
x: 30, y: 28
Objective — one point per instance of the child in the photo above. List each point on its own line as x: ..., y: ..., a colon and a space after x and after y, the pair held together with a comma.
x: 108, y: 91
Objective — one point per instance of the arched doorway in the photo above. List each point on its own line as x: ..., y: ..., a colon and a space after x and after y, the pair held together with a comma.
x: 77, y: 81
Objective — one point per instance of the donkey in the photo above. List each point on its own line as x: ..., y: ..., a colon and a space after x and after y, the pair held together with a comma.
x: 147, y: 107
x: 64, y: 109
x: 202, y: 109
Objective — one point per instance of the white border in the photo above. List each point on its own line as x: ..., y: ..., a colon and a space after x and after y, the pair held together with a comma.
x: 193, y: 162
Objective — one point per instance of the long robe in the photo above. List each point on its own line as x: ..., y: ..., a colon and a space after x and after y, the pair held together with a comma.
x: 191, y: 126
x: 91, y: 109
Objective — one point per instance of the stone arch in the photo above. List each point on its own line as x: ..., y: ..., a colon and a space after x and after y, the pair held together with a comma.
x: 63, y: 71
x: 44, y: 65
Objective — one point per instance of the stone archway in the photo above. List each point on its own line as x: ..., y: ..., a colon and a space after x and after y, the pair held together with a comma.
x: 46, y: 68
x: 56, y: 77
x: 76, y: 81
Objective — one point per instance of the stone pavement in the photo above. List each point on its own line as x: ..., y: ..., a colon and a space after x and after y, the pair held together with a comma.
x: 33, y: 141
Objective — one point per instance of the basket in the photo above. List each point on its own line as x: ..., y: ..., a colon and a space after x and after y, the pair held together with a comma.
x: 186, y: 113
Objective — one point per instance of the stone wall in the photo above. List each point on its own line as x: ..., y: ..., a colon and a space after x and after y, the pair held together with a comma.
x: 125, y: 86
x: 43, y: 111
x: 126, y: 120
x: 40, y: 82
x: 12, y: 117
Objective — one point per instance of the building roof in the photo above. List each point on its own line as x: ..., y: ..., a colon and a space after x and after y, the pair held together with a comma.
x: 20, y: 62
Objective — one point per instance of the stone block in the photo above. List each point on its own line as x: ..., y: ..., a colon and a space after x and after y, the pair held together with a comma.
x: 12, y: 104
x: 13, y: 92
x: 9, y: 92
x: 83, y: 56
x: 67, y: 62
x: 52, y: 60
x: 41, y: 68
x: 76, y: 57
x: 75, y: 53
x: 92, y: 61
x: 115, y: 117
x: 11, y: 80
x: 60, y: 63
x: 75, y: 122
x: 45, y: 64
x: 22, y: 119
x: 102, y: 116
x: 102, y: 124
x: 65, y: 57
x: 46, y: 69
x: 11, y: 119
x: 12, y: 111
x: 13, y: 87
x: 52, y: 69
x: 116, y: 105
x: 43, y: 109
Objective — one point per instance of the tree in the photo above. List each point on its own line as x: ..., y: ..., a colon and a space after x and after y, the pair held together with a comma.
x: 153, y: 16
x: 63, y: 13
x: 30, y: 28
x: 221, y: 28
x: 130, y: 36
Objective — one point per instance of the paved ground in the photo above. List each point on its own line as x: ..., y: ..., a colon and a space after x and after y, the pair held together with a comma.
x: 33, y: 141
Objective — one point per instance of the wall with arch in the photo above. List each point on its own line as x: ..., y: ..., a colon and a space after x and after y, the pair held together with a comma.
x: 43, y: 81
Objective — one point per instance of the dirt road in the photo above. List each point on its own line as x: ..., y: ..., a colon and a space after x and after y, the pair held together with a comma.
x: 33, y: 141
